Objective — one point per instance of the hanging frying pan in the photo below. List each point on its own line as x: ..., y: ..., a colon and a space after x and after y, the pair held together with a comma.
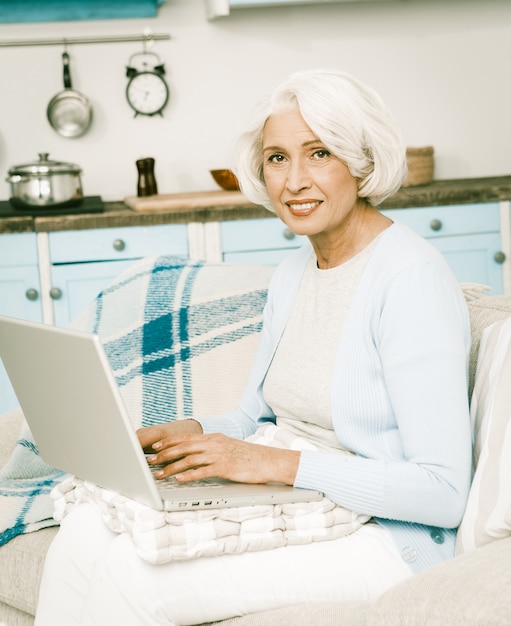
x: 69, y: 112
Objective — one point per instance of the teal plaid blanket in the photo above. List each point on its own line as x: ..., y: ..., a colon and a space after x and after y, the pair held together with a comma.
x: 180, y: 338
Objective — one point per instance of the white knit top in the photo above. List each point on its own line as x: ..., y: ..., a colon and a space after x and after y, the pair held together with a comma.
x: 298, y: 386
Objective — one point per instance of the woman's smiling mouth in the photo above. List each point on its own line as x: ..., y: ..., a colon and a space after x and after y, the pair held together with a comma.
x: 303, y: 208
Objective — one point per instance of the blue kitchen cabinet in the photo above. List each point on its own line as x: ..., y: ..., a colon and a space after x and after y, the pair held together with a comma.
x: 468, y: 236
x: 20, y: 293
x: 85, y: 261
x: 19, y: 276
x: 76, y: 285
x: 472, y: 259
x: 264, y: 240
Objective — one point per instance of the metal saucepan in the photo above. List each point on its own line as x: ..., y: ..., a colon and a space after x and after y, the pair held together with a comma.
x: 69, y: 112
x: 44, y: 183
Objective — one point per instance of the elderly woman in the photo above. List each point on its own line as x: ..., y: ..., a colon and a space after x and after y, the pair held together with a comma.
x: 364, y: 349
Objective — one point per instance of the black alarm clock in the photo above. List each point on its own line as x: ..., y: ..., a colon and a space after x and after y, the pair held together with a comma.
x: 147, y: 91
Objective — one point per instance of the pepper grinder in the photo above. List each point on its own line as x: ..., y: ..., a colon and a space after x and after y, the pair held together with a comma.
x: 146, y: 181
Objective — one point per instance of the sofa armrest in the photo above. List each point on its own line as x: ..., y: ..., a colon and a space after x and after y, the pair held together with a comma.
x: 468, y: 590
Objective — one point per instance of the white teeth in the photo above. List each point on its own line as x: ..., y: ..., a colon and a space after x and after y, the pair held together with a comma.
x: 303, y: 207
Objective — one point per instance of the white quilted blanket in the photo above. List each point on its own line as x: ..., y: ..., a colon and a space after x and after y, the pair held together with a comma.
x: 161, y: 536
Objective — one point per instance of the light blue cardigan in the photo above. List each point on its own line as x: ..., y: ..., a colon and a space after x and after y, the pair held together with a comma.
x: 399, y: 395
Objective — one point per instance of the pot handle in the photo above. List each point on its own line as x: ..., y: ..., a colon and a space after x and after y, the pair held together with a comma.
x: 67, y: 71
x: 16, y: 178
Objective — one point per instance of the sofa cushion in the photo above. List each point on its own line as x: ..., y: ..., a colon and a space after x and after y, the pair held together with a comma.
x: 483, y: 311
x: 488, y: 513
x: 13, y: 617
x: 469, y: 590
x: 22, y: 561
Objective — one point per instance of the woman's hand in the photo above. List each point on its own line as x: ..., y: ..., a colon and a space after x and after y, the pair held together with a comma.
x: 151, y: 437
x: 188, y: 454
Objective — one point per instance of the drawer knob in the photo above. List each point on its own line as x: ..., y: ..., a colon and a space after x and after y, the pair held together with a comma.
x: 55, y: 293
x: 435, y: 224
x: 119, y: 245
x: 289, y: 234
x: 32, y: 294
x: 499, y: 257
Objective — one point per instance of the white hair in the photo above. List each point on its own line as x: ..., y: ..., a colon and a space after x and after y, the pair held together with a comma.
x: 347, y: 116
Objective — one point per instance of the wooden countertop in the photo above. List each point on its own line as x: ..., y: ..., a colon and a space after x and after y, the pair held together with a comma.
x: 117, y: 214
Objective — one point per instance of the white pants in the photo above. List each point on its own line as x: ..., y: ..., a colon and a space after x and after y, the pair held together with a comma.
x: 94, y: 577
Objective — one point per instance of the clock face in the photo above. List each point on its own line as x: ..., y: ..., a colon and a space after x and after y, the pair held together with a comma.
x: 147, y: 93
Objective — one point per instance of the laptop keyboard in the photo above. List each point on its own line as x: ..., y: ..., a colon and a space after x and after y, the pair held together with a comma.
x: 170, y: 481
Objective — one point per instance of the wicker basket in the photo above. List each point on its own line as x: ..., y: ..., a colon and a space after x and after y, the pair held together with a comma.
x: 420, y: 166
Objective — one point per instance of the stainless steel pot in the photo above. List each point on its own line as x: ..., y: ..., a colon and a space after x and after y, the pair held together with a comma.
x: 45, y: 183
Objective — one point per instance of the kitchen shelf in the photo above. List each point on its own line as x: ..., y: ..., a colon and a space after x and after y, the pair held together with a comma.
x: 23, y: 11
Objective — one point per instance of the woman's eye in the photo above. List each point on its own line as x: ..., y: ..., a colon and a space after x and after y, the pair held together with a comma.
x: 276, y: 158
x: 321, y: 154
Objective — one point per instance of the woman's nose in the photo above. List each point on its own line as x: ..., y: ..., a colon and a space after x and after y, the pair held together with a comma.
x: 298, y: 177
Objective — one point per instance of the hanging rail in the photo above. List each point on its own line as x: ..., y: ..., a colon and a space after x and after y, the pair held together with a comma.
x: 65, y: 41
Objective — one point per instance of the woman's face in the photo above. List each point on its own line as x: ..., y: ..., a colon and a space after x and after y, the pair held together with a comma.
x: 312, y: 191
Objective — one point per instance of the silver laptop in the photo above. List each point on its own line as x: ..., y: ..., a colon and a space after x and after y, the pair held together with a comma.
x: 76, y: 414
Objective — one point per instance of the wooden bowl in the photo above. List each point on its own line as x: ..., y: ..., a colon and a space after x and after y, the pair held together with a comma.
x: 226, y: 179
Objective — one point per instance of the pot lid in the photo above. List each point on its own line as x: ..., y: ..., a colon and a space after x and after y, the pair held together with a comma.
x: 45, y: 166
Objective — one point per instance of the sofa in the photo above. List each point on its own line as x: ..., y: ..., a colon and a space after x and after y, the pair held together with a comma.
x: 470, y: 589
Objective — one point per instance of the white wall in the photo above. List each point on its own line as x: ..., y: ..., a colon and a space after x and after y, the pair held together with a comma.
x: 442, y: 68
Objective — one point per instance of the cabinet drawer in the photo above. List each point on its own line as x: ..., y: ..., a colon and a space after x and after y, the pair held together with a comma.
x: 444, y: 221
x: 110, y: 244
x: 74, y: 286
x: 18, y: 249
x: 258, y: 234
x: 472, y: 259
x: 20, y: 292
